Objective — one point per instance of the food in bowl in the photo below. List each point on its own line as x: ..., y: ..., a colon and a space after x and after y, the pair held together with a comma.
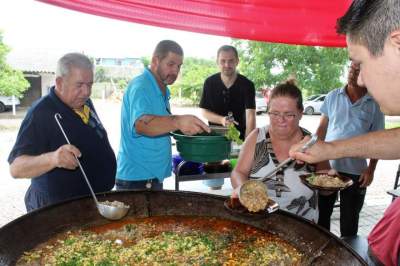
x: 253, y: 195
x: 324, y: 180
x: 166, y: 240
x: 114, y: 203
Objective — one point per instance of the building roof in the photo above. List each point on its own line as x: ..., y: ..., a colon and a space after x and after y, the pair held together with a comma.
x: 38, y: 60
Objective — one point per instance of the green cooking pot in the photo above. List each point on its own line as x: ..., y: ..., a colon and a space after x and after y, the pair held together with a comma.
x: 204, y: 147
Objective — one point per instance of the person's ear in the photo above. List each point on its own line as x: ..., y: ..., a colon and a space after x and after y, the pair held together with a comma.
x: 394, y: 39
x: 154, y: 60
x: 59, y: 81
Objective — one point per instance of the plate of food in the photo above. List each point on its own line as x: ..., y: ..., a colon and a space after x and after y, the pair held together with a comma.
x: 323, y: 181
x: 234, y: 206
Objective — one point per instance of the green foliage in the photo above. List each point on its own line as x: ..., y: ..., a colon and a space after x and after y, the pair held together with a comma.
x: 3, y: 51
x: 233, y: 134
x: 389, y: 125
x: 12, y: 82
x: 316, y: 69
x: 121, y: 83
x: 193, y: 74
x: 100, y: 75
x: 145, y: 61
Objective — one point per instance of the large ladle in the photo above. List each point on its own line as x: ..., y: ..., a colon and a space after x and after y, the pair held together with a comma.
x: 107, y: 209
x: 258, y: 185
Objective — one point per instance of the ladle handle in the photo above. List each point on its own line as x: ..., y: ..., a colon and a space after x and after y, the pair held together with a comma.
x: 307, y: 145
x: 271, y: 173
x: 57, y: 116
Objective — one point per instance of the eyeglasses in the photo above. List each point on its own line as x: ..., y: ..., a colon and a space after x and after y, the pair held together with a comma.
x: 285, y: 116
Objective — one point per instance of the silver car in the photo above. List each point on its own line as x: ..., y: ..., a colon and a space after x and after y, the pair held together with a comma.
x: 261, y: 103
x: 313, y: 106
x: 6, y: 102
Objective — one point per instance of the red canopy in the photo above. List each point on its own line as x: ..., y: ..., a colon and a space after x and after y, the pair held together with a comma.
x: 307, y: 22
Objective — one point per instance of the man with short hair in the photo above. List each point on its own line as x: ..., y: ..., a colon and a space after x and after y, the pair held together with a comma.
x: 41, y: 152
x: 347, y: 112
x: 372, y: 31
x: 144, y: 158
x: 228, y: 97
x: 228, y: 91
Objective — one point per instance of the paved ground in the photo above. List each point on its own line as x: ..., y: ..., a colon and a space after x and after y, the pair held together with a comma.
x: 12, y: 191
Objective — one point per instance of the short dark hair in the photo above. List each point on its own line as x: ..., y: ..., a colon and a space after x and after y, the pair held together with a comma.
x: 164, y: 47
x: 369, y: 23
x: 228, y: 48
x: 288, y: 89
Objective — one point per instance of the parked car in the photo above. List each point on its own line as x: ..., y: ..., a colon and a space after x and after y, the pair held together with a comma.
x: 313, y: 106
x: 312, y: 97
x: 261, y: 103
x: 6, y: 102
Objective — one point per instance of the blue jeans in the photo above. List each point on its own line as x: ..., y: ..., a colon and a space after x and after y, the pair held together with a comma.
x: 139, y: 185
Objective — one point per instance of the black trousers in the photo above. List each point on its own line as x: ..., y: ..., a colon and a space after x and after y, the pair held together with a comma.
x: 351, y: 202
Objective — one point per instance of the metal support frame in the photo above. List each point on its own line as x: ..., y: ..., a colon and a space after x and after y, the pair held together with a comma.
x: 204, y: 176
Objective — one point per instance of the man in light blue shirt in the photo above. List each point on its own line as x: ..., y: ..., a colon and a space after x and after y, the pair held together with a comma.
x: 348, y: 112
x: 144, y: 157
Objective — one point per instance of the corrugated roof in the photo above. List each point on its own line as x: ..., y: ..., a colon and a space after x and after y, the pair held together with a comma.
x: 38, y: 60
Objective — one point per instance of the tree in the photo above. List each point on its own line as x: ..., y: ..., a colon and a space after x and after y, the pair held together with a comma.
x: 12, y: 82
x: 145, y: 61
x: 100, y: 74
x: 316, y: 69
x: 193, y: 74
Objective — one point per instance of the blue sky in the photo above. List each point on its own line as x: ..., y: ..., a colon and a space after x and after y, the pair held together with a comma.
x: 30, y: 26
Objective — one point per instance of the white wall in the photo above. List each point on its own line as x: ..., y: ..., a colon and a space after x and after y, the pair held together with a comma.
x: 48, y: 80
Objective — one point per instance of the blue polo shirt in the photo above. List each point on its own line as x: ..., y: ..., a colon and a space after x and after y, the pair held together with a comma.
x: 39, y: 133
x: 142, y: 157
x: 348, y: 120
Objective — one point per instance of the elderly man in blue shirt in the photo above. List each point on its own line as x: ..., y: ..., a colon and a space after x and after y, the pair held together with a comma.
x: 144, y: 158
x: 348, y: 112
x: 41, y: 153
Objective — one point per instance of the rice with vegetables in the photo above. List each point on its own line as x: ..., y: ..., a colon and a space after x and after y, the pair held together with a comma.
x: 172, y: 240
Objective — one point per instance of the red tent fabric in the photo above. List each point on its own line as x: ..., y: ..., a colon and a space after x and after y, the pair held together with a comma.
x: 306, y: 22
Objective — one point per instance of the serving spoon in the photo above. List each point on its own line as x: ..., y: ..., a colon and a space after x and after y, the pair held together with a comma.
x: 258, y: 183
x: 111, y: 210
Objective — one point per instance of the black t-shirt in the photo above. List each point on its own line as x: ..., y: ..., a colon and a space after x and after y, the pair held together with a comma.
x: 39, y: 133
x: 219, y: 99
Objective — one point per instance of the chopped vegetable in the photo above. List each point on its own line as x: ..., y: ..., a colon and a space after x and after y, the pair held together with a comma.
x: 233, y: 134
x: 165, y: 241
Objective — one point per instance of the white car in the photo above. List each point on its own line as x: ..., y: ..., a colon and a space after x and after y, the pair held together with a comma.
x: 261, y: 103
x: 6, y: 102
x: 314, y: 106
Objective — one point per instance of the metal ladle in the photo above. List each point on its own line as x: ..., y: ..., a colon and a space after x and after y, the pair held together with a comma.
x: 108, y: 211
x: 259, y: 181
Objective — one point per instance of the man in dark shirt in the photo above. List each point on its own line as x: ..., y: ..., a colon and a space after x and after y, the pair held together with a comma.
x: 227, y: 94
x: 229, y: 91
x: 41, y: 152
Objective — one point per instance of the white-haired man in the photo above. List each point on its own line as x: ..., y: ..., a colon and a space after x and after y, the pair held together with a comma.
x: 41, y: 152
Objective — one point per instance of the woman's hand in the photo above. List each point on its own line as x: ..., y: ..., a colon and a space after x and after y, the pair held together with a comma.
x: 235, y: 193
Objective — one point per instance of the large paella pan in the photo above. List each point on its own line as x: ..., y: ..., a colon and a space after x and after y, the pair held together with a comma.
x: 307, y: 240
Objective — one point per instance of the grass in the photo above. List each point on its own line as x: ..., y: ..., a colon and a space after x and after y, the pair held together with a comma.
x: 389, y: 125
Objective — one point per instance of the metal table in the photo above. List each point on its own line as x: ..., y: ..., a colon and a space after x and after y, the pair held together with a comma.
x: 204, y: 176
